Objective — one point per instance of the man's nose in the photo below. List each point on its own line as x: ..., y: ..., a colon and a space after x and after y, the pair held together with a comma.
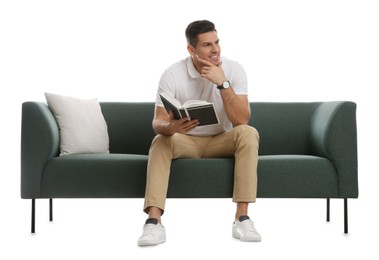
x: 215, y: 48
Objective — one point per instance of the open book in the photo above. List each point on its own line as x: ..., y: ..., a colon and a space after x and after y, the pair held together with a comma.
x: 193, y: 109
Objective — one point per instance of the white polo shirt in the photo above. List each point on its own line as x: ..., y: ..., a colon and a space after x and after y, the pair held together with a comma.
x: 182, y: 81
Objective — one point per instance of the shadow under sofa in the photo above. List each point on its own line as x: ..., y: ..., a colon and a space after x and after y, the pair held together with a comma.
x: 307, y: 150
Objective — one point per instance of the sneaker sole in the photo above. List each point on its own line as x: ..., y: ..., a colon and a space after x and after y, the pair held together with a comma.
x: 150, y: 243
x: 238, y: 236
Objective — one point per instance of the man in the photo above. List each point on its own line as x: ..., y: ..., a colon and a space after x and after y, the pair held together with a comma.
x: 204, y: 75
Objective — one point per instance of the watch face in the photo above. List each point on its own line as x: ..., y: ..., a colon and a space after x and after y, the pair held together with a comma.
x: 226, y: 84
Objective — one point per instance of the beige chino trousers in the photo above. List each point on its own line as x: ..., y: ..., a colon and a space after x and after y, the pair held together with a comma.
x: 242, y: 142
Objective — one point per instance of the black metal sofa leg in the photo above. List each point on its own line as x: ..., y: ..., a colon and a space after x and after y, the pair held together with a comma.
x: 345, y: 214
x: 33, y: 229
x: 51, y: 209
x: 33, y: 216
x: 346, y: 228
x: 327, y: 210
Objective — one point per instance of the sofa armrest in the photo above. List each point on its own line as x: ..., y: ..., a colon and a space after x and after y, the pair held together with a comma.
x: 39, y: 143
x: 334, y: 136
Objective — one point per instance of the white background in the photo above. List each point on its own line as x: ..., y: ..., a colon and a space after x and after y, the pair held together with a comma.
x: 117, y: 50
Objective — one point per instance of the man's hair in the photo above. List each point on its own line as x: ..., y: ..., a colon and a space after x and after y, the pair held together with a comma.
x: 198, y: 27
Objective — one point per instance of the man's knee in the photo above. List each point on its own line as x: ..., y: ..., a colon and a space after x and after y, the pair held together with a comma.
x: 159, y: 142
x: 247, y: 132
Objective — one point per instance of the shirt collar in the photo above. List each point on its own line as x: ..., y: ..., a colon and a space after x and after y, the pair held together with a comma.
x: 192, y: 71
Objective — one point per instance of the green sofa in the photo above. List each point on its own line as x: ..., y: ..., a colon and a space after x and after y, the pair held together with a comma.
x: 307, y: 150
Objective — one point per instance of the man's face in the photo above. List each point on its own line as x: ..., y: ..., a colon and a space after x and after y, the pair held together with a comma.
x: 207, y: 48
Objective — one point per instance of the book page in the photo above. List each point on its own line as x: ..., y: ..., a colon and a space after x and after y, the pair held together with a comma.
x: 172, y: 100
x: 194, y: 103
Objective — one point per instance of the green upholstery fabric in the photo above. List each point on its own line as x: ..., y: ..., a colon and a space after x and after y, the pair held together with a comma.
x: 296, y: 176
x: 307, y: 150
x: 201, y: 178
x: 39, y: 143
x: 129, y: 126
x: 95, y: 176
x: 283, y: 176
x: 334, y: 136
x: 284, y: 128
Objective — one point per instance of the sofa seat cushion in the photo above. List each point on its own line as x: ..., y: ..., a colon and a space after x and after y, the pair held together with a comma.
x: 279, y: 176
x: 124, y: 176
x: 296, y: 176
x: 201, y: 178
x: 95, y: 176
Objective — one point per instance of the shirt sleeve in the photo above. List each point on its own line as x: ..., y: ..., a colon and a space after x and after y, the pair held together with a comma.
x: 238, y: 79
x: 166, y: 86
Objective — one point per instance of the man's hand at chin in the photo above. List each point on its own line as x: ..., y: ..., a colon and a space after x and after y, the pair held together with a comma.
x: 211, y: 72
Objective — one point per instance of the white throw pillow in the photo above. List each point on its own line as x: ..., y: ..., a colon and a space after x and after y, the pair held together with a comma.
x: 81, y: 124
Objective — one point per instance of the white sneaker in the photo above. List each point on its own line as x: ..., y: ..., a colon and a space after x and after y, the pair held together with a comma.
x: 244, y: 230
x: 153, y: 233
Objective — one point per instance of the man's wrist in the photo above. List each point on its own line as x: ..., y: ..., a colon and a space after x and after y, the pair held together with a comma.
x: 219, y: 83
x: 224, y: 85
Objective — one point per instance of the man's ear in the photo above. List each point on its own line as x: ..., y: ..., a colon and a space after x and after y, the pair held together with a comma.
x: 191, y: 49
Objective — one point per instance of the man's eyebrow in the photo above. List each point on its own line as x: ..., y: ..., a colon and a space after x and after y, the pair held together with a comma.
x: 205, y: 43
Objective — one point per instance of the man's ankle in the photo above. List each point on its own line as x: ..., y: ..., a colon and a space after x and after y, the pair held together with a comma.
x: 156, y: 213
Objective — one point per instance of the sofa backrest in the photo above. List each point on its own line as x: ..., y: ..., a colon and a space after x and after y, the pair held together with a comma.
x: 129, y: 126
x: 284, y: 128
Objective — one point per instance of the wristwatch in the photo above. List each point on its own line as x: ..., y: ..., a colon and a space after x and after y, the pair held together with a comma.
x: 224, y: 85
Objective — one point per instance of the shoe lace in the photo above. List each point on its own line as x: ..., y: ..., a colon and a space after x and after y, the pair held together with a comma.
x: 149, y: 228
